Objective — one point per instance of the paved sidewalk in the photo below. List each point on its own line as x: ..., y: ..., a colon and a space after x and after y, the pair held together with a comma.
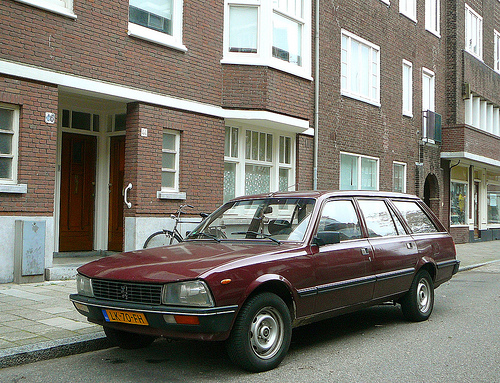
x: 37, y: 320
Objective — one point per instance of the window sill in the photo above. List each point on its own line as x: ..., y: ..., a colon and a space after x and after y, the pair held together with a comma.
x: 408, y: 114
x: 14, y: 188
x: 276, y: 64
x: 48, y: 6
x: 409, y: 17
x: 170, y: 195
x: 140, y: 32
x: 356, y: 97
x: 435, y: 33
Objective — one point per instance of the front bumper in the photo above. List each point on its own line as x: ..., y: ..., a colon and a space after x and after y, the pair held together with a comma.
x: 212, y: 323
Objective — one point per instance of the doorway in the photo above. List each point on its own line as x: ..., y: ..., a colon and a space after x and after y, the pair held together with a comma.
x: 78, y: 172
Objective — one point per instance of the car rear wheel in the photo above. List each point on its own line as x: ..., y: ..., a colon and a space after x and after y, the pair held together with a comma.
x: 261, y: 334
x: 128, y: 340
x: 418, y: 302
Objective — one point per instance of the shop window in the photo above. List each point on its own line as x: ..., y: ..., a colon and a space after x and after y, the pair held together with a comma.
x: 493, y: 202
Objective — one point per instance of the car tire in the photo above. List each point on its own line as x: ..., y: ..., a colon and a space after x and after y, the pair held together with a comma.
x: 128, y: 340
x: 261, y: 334
x: 418, y: 302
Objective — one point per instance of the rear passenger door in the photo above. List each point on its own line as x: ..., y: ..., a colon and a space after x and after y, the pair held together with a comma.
x: 343, y: 261
x: 395, y: 252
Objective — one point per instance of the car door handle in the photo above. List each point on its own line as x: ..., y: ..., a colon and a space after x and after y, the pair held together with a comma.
x: 409, y: 245
x: 365, y: 251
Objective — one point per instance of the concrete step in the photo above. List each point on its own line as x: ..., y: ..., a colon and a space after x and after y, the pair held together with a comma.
x: 64, y: 265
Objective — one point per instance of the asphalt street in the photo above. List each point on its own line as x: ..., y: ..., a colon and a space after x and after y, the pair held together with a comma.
x: 459, y: 343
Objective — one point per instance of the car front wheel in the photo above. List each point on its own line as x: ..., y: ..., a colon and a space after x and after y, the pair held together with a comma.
x: 261, y: 334
x: 418, y: 302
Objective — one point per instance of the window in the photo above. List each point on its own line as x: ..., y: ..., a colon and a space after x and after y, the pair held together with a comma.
x: 408, y: 8
x: 358, y: 172
x: 9, y: 133
x: 407, y: 88
x: 496, y: 65
x: 432, y: 16
x: 80, y: 120
x: 338, y: 217
x: 62, y: 7
x: 493, y: 202
x: 418, y: 221
x: 399, y: 177
x: 360, y: 69
x: 257, y: 162
x: 170, y: 161
x: 428, y: 91
x: 458, y: 195
x: 378, y: 219
x: 158, y: 21
x: 272, y: 33
x: 473, y: 33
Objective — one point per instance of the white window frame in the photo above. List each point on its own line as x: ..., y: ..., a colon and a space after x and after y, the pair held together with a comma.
x: 473, y: 35
x: 359, y: 158
x: 14, y: 156
x: 172, y: 41
x: 407, y: 89
x: 432, y: 17
x: 275, y: 165
x: 408, y: 8
x: 346, y: 69
x: 394, y: 164
x: 165, y: 191
x: 61, y: 7
x: 496, y: 64
x: 264, y: 56
x: 430, y: 99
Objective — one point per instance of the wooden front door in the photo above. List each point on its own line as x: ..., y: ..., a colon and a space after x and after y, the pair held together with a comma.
x: 78, y: 166
x: 116, y: 172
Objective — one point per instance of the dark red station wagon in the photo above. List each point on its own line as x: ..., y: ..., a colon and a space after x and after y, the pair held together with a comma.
x: 261, y: 265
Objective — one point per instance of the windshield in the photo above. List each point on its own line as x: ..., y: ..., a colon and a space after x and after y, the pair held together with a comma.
x: 278, y: 219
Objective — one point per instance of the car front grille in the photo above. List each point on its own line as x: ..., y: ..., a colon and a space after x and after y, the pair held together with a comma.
x: 128, y: 292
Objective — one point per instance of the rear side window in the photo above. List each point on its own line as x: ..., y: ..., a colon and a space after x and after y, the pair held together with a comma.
x: 378, y: 219
x: 418, y: 221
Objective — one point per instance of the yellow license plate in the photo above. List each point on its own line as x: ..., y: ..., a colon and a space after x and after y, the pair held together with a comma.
x: 125, y: 317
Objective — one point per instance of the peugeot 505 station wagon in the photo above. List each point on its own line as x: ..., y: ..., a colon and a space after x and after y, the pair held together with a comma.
x: 261, y: 265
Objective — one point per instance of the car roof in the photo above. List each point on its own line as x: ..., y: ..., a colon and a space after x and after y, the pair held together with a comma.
x: 327, y: 194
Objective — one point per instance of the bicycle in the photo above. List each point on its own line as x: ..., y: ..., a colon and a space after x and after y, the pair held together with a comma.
x: 166, y: 237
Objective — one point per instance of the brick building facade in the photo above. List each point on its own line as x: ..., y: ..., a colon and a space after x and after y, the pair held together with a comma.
x: 114, y: 113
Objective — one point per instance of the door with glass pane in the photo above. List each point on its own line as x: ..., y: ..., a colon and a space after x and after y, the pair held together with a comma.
x: 78, y: 166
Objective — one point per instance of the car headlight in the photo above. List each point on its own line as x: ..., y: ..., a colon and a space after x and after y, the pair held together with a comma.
x: 84, y: 286
x: 189, y: 293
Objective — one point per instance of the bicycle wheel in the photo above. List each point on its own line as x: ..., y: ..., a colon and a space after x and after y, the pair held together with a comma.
x: 162, y: 238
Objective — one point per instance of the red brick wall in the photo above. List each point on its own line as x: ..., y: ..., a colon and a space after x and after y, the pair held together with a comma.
x: 37, y: 147
x: 263, y: 88
x: 471, y: 140
x: 305, y: 159
x: 201, y: 159
x: 97, y: 45
x: 353, y: 126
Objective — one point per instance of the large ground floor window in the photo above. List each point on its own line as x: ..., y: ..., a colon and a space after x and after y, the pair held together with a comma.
x: 257, y: 161
x: 459, y: 187
x: 493, y: 203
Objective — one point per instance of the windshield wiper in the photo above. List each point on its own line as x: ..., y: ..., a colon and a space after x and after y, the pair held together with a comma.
x: 208, y: 236
x: 268, y: 236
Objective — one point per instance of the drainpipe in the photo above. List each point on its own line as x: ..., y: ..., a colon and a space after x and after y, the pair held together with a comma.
x: 316, y: 96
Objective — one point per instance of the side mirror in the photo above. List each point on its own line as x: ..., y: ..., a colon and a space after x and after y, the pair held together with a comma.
x: 323, y: 238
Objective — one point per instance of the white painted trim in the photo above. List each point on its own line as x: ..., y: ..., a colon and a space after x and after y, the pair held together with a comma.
x: 140, y: 32
x: 19, y: 188
x: 117, y: 92
x: 470, y: 156
x: 49, y: 6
